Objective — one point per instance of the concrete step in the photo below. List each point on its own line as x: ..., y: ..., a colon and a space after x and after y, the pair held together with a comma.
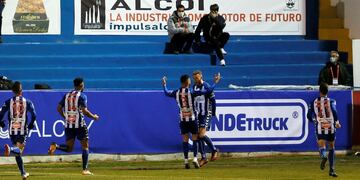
x: 331, y: 23
x: 328, y: 12
x: 333, y: 34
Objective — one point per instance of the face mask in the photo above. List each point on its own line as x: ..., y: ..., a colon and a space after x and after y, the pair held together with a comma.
x: 333, y: 60
x: 181, y: 14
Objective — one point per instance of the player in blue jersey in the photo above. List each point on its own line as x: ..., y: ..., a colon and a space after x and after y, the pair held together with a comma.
x: 205, y: 106
x: 188, y: 122
x: 73, y: 107
x: 323, y: 112
x: 18, y: 108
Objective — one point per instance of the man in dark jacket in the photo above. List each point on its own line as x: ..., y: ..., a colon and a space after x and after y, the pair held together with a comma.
x: 181, y: 31
x: 212, y: 26
x: 335, y: 72
x: 2, y: 5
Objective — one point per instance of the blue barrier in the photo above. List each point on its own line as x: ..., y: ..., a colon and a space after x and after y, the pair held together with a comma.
x: 142, y: 122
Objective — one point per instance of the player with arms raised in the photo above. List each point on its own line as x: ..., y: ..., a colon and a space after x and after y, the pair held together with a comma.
x: 188, y: 122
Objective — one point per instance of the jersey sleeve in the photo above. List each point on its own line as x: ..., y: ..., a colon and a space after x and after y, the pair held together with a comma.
x: 207, y: 91
x: 31, y: 108
x: 5, y: 108
x: 169, y: 93
x: 310, y: 114
x: 334, y: 111
x: 62, y: 101
x: 83, y: 101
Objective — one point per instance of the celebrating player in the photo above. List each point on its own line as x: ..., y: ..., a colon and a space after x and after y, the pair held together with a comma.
x: 72, y: 108
x: 18, y: 107
x: 323, y: 109
x: 188, y: 122
x: 205, y: 107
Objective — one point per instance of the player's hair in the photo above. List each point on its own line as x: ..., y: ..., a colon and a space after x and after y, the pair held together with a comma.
x: 214, y: 7
x: 324, y: 88
x: 184, y: 78
x: 334, y: 52
x: 197, y: 72
x: 16, y: 87
x: 77, y: 81
x: 180, y: 6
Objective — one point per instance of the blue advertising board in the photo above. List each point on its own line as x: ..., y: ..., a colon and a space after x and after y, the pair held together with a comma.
x: 146, y: 122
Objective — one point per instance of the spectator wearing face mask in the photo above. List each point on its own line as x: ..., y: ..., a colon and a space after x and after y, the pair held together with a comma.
x: 335, y: 72
x: 181, y: 31
x: 212, y: 25
x: 2, y: 6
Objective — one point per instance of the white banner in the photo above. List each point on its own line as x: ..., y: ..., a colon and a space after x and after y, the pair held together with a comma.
x: 259, y: 122
x: 31, y: 17
x: 356, y: 62
x: 149, y: 17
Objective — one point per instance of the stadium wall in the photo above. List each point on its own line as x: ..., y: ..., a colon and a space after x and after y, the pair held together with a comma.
x: 67, y: 28
x: 146, y: 122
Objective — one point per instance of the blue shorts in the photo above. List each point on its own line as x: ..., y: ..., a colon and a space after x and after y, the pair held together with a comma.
x: 326, y: 137
x: 79, y: 133
x: 18, y: 139
x: 189, y: 127
x: 204, y: 121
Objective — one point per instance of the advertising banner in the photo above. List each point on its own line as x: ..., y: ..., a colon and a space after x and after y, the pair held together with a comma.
x: 25, y: 17
x: 149, y: 17
x: 146, y: 122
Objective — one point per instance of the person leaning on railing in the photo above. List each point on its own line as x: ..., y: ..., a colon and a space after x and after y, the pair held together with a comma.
x: 335, y: 72
x: 2, y: 5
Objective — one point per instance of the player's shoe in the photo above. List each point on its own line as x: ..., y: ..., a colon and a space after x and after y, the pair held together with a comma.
x: 223, y: 51
x: 87, y: 173
x: 323, y: 163
x: 203, y: 162
x: 52, y: 149
x: 357, y: 153
x: 25, y: 176
x: 215, y: 155
x: 196, y: 164
x: 333, y: 173
x: 187, y: 166
x: 7, y: 150
x: 222, y: 62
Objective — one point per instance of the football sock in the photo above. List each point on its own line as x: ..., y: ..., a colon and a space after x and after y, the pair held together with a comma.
x: 331, y: 158
x: 85, y: 159
x: 322, y: 152
x: 20, y: 164
x: 186, y: 150
x: 209, y: 143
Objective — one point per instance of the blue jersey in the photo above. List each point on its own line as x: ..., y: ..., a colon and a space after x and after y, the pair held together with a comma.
x: 204, y: 104
x: 185, y: 100
x: 18, y: 108
x: 323, y: 111
x: 73, y: 103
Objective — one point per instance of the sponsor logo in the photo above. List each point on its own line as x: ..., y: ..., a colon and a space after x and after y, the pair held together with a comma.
x: 4, y: 134
x: 92, y: 14
x: 259, y: 122
x: 42, y: 130
x: 290, y: 4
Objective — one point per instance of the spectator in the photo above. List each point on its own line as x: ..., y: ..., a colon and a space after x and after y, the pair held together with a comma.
x: 181, y: 31
x: 2, y: 5
x: 335, y: 72
x: 212, y: 26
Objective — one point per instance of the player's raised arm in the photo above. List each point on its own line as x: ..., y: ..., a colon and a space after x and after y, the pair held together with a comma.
x: 166, y: 91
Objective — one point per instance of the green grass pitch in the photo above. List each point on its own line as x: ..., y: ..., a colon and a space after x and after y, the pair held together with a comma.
x: 273, y: 167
